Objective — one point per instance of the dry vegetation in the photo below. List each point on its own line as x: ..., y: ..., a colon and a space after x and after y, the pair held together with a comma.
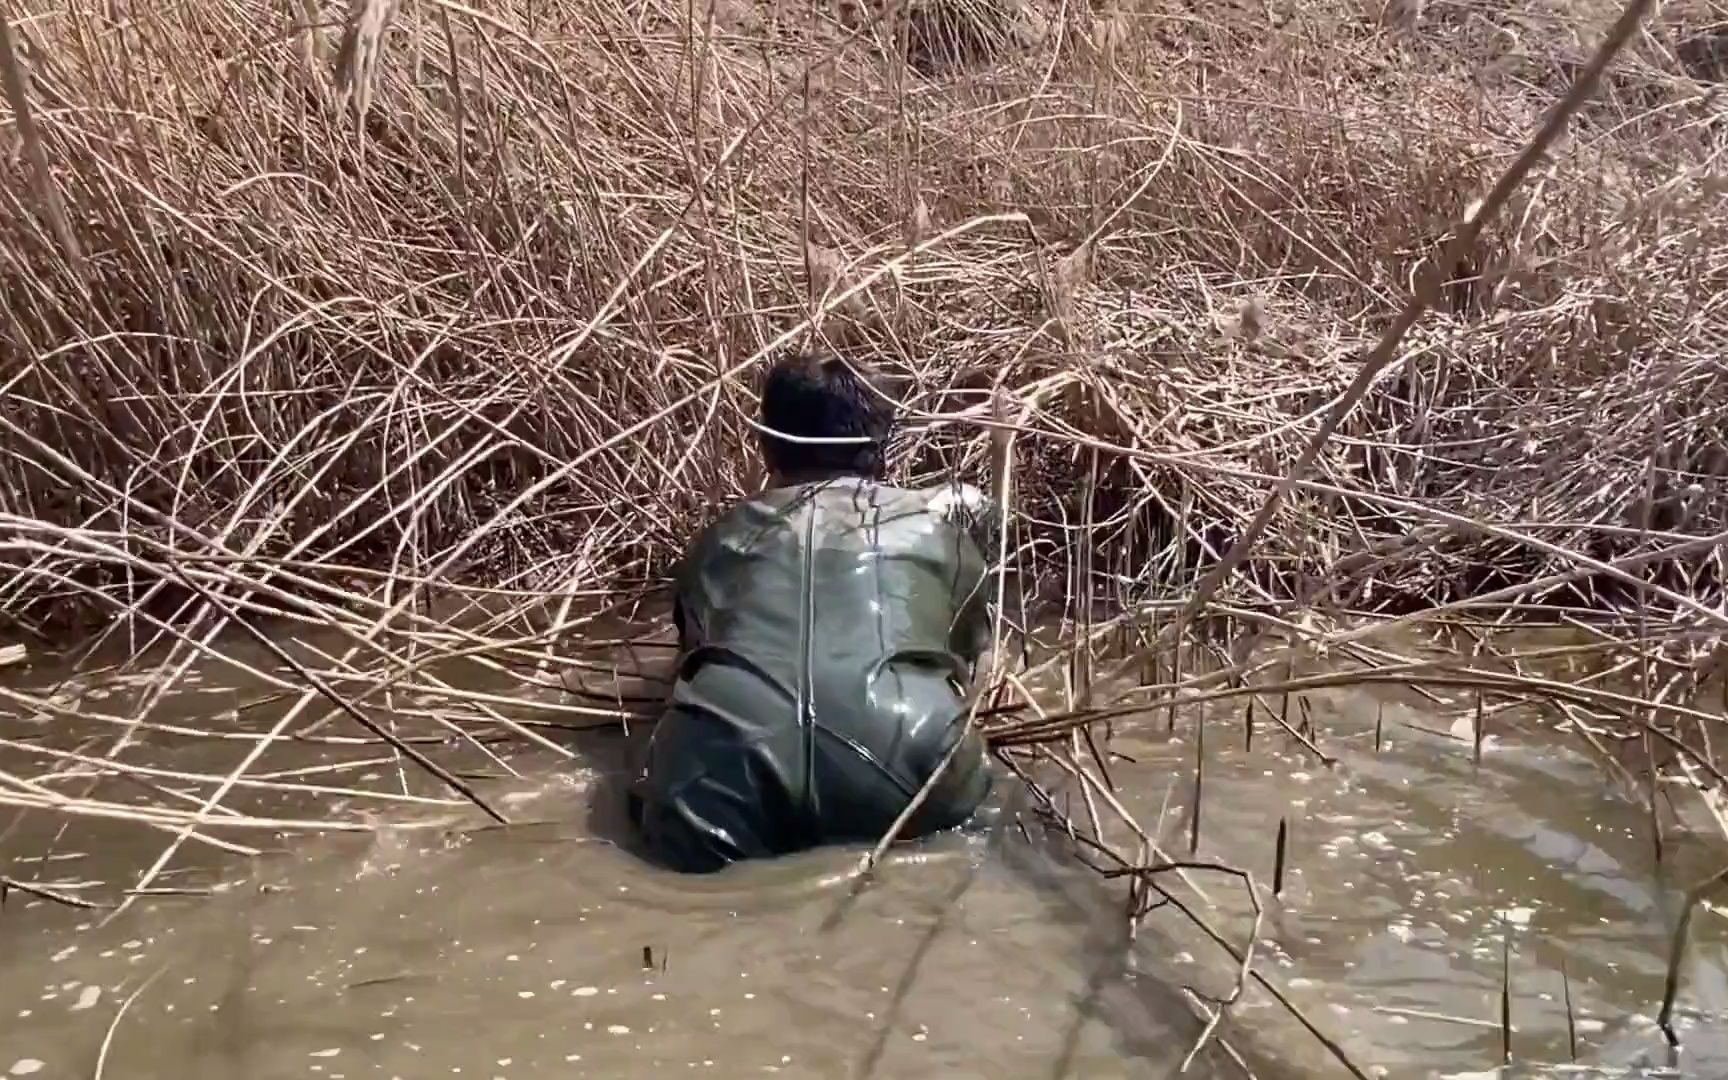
x: 376, y: 316
x: 456, y: 296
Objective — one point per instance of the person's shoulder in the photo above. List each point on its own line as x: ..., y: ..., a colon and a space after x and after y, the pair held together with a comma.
x: 747, y: 520
x: 945, y: 499
x: 954, y: 503
x: 752, y: 507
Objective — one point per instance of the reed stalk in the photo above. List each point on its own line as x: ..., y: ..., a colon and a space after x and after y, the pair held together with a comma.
x: 386, y: 389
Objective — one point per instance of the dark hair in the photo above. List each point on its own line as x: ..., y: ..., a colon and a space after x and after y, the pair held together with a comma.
x: 819, y: 396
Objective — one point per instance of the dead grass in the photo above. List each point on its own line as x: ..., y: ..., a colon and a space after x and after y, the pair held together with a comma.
x: 347, y: 316
x: 431, y: 327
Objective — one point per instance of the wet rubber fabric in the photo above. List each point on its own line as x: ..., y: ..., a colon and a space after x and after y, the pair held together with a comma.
x: 827, y: 633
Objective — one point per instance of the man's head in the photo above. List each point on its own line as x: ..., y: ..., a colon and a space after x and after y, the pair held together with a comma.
x: 817, y: 396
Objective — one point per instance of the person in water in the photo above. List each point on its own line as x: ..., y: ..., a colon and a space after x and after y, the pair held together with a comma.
x: 828, y: 627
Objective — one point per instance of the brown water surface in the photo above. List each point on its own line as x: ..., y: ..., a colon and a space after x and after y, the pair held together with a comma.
x: 449, y: 948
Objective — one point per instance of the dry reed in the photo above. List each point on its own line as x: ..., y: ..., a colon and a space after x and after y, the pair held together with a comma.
x: 429, y: 360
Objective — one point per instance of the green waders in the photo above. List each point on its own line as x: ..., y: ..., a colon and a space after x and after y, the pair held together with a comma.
x: 827, y: 633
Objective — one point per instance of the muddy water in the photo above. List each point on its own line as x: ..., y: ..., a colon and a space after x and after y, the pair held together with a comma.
x: 448, y: 947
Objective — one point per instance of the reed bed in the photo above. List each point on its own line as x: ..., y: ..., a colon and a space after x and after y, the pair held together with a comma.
x: 378, y: 360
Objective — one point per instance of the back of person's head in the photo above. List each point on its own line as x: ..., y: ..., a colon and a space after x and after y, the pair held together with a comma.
x: 818, y: 396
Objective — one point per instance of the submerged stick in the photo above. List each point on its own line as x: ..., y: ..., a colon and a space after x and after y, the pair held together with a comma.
x: 1654, y: 794
x: 1278, y: 856
x: 1199, y: 782
x: 114, y: 1024
x: 1175, y: 680
x: 1476, y: 733
x: 45, y: 892
x: 1506, y: 993
x: 1571, y: 1017
x: 1677, y: 951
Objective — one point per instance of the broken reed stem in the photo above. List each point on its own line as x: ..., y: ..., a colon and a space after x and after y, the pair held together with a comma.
x: 1146, y: 874
x: 1653, y: 794
x: 1477, y: 733
x: 1571, y: 1015
x: 1278, y: 856
x: 662, y: 256
x: 114, y: 1024
x: 43, y: 892
x: 1506, y: 992
x: 1199, y: 781
x: 1462, y: 242
x: 1677, y: 950
x: 317, y: 684
x: 16, y: 78
x: 1175, y: 680
x: 1245, y: 958
x: 110, y: 766
x: 1145, y: 837
x: 1401, y: 672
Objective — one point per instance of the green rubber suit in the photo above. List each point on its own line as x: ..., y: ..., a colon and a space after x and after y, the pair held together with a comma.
x: 827, y: 633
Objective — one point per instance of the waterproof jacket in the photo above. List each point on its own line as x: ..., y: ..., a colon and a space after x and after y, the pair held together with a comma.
x: 828, y: 632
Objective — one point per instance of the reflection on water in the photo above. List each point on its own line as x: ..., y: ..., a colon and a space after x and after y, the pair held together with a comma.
x: 545, y: 950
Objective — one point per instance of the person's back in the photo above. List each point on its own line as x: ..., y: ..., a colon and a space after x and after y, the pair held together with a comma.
x: 828, y: 628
